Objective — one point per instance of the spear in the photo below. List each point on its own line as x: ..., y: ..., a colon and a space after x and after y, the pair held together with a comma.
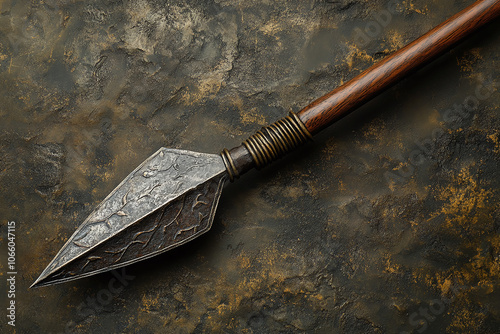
x: 171, y: 198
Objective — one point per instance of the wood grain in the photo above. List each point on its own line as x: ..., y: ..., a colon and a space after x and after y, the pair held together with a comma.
x: 343, y: 100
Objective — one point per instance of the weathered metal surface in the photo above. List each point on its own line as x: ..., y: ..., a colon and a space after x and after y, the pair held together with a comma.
x: 182, y: 187
x: 319, y: 242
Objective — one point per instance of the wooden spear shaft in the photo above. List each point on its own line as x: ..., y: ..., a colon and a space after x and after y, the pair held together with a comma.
x: 343, y: 100
x: 277, y: 139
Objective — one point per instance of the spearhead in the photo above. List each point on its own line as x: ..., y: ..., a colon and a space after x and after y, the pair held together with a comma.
x: 167, y: 201
x: 171, y: 198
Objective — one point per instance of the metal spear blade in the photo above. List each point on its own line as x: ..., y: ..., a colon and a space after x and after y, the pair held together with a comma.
x: 167, y: 201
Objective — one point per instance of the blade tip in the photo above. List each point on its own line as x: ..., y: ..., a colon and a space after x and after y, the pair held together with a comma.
x: 36, y: 284
x: 40, y: 281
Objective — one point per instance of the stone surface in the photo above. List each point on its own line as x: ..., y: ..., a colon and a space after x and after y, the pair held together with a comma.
x: 389, y: 222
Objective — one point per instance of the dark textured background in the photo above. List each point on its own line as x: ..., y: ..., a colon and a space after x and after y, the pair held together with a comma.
x: 389, y: 222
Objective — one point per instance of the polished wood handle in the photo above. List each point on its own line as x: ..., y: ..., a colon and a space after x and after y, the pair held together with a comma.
x: 343, y: 100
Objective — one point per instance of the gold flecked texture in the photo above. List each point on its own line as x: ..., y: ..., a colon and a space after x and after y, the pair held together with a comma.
x: 387, y: 223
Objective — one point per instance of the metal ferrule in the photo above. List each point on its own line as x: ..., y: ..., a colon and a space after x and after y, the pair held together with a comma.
x: 271, y: 143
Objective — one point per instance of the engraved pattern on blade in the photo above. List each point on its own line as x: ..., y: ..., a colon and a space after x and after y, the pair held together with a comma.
x: 161, y: 178
x: 180, y: 221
